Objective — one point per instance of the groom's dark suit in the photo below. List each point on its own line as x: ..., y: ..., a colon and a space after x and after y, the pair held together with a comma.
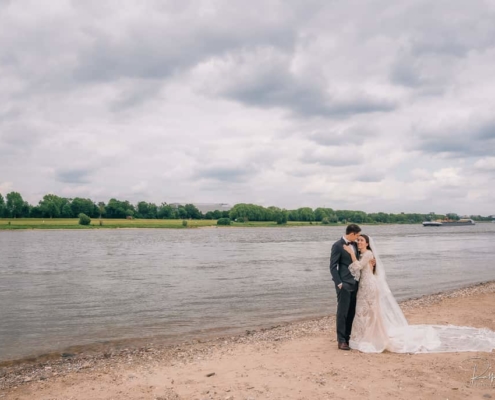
x: 346, y: 297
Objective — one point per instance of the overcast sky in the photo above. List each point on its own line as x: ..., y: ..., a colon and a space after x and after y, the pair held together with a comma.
x: 375, y: 105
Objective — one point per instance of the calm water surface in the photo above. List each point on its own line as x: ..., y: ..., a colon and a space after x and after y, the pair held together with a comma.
x: 65, y: 288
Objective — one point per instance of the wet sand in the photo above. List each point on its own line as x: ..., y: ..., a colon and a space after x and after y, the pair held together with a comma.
x: 294, y: 361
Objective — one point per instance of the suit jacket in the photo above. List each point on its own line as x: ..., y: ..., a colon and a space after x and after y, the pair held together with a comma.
x: 339, y: 265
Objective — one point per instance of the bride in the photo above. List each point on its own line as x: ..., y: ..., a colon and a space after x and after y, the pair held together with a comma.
x: 380, y: 325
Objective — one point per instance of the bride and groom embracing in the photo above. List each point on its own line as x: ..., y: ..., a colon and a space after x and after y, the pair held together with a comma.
x: 369, y: 318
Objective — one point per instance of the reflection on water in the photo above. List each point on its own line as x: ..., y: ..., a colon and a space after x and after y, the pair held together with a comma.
x: 64, y: 288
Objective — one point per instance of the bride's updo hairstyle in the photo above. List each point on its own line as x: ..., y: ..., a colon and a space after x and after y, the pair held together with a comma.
x: 367, y: 238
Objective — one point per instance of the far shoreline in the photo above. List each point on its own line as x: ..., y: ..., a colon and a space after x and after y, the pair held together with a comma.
x: 41, y: 224
x: 50, y: 225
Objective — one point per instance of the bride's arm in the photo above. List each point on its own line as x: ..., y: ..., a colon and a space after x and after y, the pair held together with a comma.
x: 365, y: 261
x: 357, y: 265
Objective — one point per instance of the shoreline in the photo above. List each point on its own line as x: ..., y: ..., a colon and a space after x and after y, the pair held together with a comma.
x: 5, y: 228
x: 112, y: 224
x: 18, y: 373
x: 92, y: 228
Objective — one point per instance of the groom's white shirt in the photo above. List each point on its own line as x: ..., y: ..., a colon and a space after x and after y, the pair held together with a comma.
x: 347, y: 242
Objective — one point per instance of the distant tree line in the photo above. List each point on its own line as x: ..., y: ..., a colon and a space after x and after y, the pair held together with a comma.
x: 53, y: 206
x: 251, y: 212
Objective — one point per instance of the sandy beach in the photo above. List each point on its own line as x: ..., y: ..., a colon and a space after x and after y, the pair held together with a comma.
x: 294, y: 361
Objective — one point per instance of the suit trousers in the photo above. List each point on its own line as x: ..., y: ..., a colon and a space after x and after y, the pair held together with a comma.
x: 346, y: 309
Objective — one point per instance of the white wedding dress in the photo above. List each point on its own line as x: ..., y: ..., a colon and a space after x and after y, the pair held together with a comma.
x: 380, y: 325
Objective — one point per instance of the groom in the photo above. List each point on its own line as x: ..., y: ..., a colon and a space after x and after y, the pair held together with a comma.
x: 345, y: 284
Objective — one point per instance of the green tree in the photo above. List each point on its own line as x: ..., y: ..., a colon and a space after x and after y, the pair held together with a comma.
x: 51, y: 209
x: 101, y: 209
x: 36, y: 212
x: 54, y: 206
x: 115, y: 209
x: 84, y: 206
x: 119, y: 209
x: 84, y: 219
x: 306, y: 214
x: 181, y: 212
x: 320, y: 213
x: 50, y: 205
x: 224, y: 221
x: 26, y: 210
x: 14, y: 205
x: 380, y: 217
x: 217, y: 214
x: 358, y: 217
x: 281, y: 216
x: 193, y: 212
x: 66, y: 211
x: 250, y: 211
x: 146, y: 210
x: 294, y: 215
x: 2, y: 206
x: 152, y: 210
x: 333, y: 218
x: 142, y: 209
x: 165, y: 211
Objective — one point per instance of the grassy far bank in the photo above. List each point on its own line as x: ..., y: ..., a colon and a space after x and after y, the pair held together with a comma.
x: 73, y: 223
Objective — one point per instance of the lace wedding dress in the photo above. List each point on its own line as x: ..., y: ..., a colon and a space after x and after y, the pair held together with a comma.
x: 379, y: 323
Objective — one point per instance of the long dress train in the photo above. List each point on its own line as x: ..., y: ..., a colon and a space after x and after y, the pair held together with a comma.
x: 379, y: 323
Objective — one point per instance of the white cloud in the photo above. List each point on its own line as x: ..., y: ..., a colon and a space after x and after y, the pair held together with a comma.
x: 6, y: 187
x: 486, y: 164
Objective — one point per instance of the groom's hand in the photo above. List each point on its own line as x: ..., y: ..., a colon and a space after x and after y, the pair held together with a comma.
x: 373, y: 262
x: 339, y: 285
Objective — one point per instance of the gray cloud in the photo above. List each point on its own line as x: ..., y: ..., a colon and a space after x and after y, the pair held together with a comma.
x: 264, y: 79
x: 20, y: 138
x: 225, y: 174
x: 335, y: 158
x: 432, y: 48
x: 405, y: 72
x: 470, y: 139
x: 138, y: 94
x: 169, y: 42
x: 370, y: 176
x: 305, y: 101
x: 77, y: 175
x: 345, y: 136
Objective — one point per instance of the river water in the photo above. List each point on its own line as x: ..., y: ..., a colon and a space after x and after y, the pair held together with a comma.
x: 65, y: 288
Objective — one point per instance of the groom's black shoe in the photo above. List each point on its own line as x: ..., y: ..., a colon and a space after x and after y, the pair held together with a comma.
x: 343, y: 346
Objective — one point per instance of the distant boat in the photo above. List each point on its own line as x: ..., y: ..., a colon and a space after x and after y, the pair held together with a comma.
x: 461, y: 222
x: 432, y: 223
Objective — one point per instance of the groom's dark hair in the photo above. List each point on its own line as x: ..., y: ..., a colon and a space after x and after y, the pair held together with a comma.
x: 352, y: 228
